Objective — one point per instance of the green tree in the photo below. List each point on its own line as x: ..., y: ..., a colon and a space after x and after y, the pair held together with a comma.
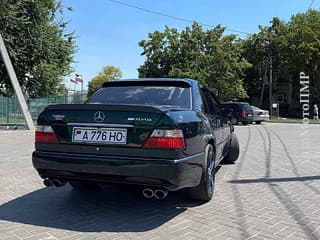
x: 303, y: 50
x: 40, y: 49
x: 258, y: 50
x: 294, y: 47
x: 209, y: 56
x: 107, y: 73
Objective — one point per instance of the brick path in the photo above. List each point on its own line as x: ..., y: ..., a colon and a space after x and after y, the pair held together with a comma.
x: 272, y: 192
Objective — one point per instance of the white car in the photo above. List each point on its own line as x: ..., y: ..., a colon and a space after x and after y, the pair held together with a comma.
x: 260, y: 115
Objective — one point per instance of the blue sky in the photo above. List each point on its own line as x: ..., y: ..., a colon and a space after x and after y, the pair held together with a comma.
x: 108, y: 33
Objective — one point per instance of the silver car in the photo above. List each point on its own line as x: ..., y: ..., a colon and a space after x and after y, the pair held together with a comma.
x: 260, y: 115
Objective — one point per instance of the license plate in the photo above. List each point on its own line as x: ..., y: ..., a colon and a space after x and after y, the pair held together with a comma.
x: 100, y: 135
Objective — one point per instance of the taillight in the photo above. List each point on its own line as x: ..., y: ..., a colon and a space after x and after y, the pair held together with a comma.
x: 172, y: 139
x: 45, y: 133
x: 243, y: 112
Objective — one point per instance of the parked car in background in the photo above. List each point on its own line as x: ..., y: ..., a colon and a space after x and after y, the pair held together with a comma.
x: 241, y: 112
x: 161, y: 134
x: 260, y: 115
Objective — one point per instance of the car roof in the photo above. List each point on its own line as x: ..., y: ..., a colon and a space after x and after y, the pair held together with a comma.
x: 235, y: 103
x: 183, y: 81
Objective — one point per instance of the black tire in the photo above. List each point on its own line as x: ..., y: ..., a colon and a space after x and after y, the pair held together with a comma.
x: 82, y: 186
x: 258, y: 122
x: 245, y: 123
x: 234, y: 121
x: 234, y: 149
x: 204, y: 191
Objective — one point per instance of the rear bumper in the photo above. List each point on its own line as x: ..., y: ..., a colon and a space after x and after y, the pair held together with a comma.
x: 168, y: 174
x: 262, y: 118
x: 247, y: 119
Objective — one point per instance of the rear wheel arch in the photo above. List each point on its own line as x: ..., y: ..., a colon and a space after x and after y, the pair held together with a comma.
x: 213, y: 144
x: 205, y: 189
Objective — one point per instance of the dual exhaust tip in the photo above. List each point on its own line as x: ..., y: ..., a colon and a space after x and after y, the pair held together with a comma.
x: 53, y: 182
x: 158, y: 193
x: 147, y: 192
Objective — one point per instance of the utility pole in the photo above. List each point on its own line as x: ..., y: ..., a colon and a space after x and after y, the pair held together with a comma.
x: 16, y: 85
x: 264, y: 79
x: 270, y: 84
x: 267, y: 44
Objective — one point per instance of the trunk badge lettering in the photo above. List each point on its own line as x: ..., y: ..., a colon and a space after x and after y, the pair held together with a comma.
x: 140, y: 119
x: 58, y: 117
x: 99, y: 116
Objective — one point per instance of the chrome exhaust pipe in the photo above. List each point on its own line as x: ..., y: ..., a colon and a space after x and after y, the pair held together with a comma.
x: 148, y: 193
x: 47, y: 182
x: 58, y: 183
x: 160, y: 194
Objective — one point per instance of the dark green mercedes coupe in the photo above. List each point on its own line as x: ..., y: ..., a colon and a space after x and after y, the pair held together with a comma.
x: 161, y: 134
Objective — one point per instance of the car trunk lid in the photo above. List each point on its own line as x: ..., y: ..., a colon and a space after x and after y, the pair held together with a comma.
x: 135, y: 122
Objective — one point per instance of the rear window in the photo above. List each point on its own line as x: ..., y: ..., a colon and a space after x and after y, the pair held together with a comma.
x: 237, y: 106
x: 247, y: 106
x: 170, y: 96
x: 228, y: 106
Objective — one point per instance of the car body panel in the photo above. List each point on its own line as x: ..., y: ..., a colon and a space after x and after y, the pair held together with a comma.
x: 167, y: 173
x: 260, y: 115
x: 132, y: 163
x: 238, y: 108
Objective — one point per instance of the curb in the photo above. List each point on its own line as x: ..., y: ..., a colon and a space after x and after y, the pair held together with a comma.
x: 293, y: 122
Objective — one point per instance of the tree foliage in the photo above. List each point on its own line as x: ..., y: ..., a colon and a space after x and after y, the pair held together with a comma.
x: 41, y: 51
x: 209, y: 56
x: 107, y: 73
x: 294, y: 47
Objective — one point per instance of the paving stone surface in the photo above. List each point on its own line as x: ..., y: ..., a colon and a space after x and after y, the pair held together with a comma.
x: 272, y: 192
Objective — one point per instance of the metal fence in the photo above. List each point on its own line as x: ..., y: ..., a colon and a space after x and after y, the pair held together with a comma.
x: 10, y: 111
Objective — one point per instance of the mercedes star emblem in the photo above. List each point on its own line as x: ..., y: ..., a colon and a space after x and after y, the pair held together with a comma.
x: 99, y: 116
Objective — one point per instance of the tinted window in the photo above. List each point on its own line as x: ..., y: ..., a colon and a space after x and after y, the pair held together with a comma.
x: 143, y: 95
x: 204, y: 105
x: 228, y: 106
x: 214, y: 107
x: 210, y: 105
x: 246, y: 106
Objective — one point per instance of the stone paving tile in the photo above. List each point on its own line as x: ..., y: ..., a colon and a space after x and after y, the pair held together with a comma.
x: 272, y: 192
